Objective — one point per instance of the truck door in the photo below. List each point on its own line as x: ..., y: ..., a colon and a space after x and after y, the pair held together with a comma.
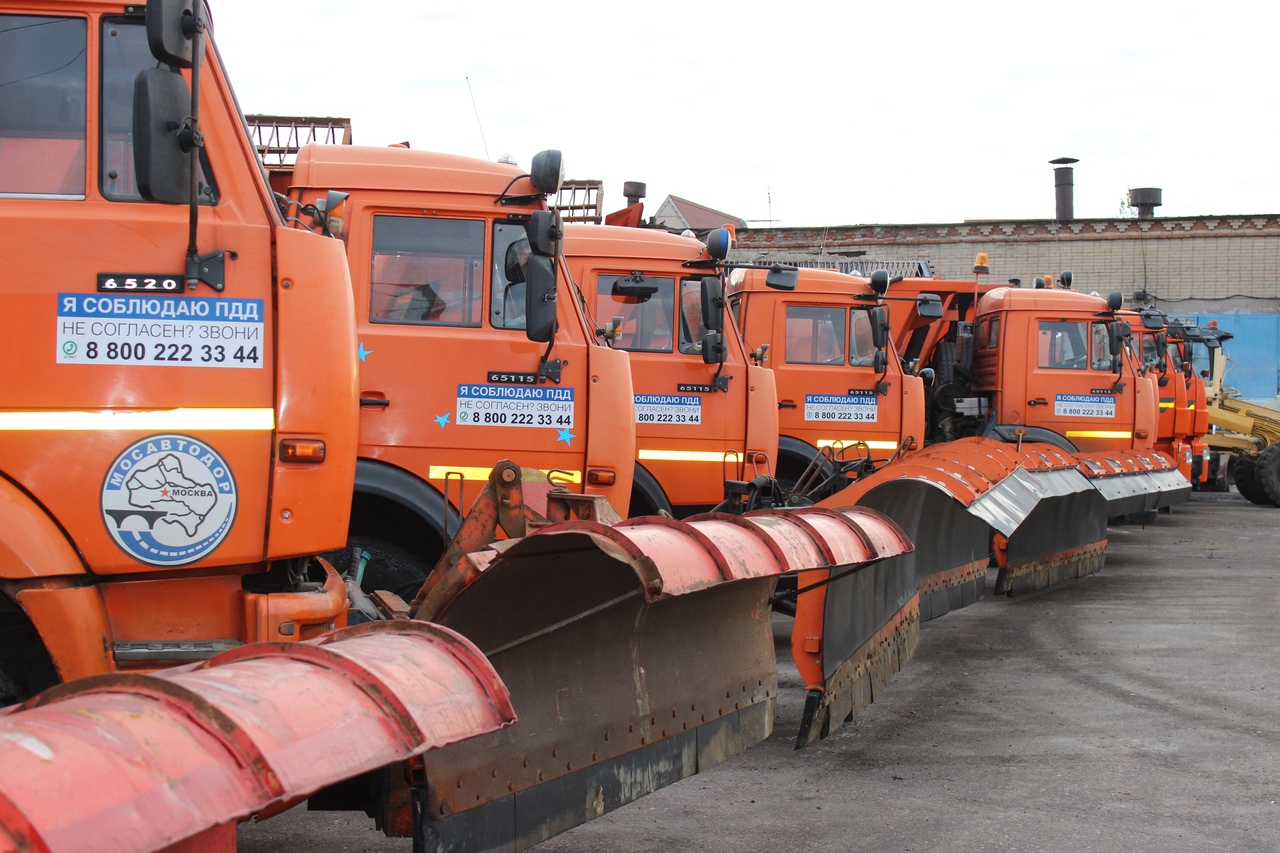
x: 137, y: 411
x: 449, y: 381
x: 1072, y: 389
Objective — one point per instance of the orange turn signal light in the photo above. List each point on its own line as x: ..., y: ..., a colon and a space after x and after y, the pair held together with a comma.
x: 310, y: 450
x: 600, y: 477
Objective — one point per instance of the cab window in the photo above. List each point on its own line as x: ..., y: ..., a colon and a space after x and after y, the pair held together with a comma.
x: 42, y: 106
x: 124, y: 55
x: 427, y: 272
x: 815, y: 335
x: 1101, y: 359
x: 646, y: 322
x: 691, y: 326
x: 862, y: 348
x: 510, y: 271
x: 1063, y: 345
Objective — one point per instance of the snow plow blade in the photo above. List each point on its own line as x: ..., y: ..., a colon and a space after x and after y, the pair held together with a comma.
x: 637, y: 654
x: 975, y: 502
x: 127, y: 762
x: 1134, y: 481
x: 857, y: 618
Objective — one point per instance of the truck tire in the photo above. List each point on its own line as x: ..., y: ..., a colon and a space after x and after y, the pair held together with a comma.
x: 647, y: 496
x: 1247, y: 482
x: 1267, y: 472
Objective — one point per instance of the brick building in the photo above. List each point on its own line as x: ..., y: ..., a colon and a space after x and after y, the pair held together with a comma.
x: 1198, y: 267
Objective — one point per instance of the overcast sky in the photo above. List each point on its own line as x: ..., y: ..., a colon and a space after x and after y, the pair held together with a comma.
x: 803, y: 113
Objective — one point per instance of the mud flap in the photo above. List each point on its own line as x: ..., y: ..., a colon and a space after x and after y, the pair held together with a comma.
x: 636, y: 655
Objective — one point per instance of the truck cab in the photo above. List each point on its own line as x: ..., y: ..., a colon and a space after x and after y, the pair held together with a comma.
x: 453, y: 375
x: 177, y: 425
x: 843, y: 395
x: 703, y: 413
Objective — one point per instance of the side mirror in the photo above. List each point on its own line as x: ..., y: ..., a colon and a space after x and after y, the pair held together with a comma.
x: 929, y: 306
x: 880, y: 361
x: 713, y: 348
x: 712, y: 305
x: 782, y: 278
x: 331, y: 213
x: 171, y: 29
x: 1152, y: 320
x: 545, y: 231
x: 161, y: 156
x: 540, y: 299
x: 719, y: 242
x: 547, y: 171
x: 879, y: 327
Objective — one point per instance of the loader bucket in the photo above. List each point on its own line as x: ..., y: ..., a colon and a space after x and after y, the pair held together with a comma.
x: 636, y: 654
x: 127, y: 762
x: 1134, y: 481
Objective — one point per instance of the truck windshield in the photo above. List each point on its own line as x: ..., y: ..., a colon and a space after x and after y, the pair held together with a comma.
x: 42, y: 106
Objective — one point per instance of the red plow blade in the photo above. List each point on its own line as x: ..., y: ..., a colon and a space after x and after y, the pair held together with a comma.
x: 636, y: 654
x: 142, y: 762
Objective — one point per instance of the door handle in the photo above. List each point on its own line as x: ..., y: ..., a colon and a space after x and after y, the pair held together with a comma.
x: 1038, y: 401
x: 786, y: 404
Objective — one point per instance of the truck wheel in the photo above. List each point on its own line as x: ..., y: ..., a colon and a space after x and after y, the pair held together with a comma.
x: 1267, y: 472
x: 1247, y: 482
x: 390, y: 567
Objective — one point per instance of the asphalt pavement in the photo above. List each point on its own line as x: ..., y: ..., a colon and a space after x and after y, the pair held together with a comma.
x: 1137, y: 709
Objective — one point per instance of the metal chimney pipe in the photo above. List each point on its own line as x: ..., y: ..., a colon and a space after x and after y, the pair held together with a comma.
x: 633, y: 191
x: 1146, y: 199
x: 1064, y: 188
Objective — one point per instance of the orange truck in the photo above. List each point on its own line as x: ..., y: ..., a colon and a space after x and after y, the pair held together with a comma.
x: 178, y: 429
x: 454, y: 368
x: 898, y: 397
x: 704, y: 414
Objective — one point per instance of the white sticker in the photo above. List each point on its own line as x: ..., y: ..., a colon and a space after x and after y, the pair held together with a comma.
x: 854, y: 408
x: 160, y: 331
x: 1084, y: 406
x: 169, y: 500
x: 668, y: 409
x: 515, y: 405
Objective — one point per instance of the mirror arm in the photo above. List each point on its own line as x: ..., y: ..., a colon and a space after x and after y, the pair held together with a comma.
x: 195, y: 139
x: 549, y: 368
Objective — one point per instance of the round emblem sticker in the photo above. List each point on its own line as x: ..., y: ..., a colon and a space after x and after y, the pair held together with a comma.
x: 169, y: 500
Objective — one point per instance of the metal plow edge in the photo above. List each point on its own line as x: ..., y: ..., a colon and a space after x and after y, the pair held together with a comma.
x: 1134, y: 481
x: 637, y: 654
x: 1064, y: 537
x: 131, y: 762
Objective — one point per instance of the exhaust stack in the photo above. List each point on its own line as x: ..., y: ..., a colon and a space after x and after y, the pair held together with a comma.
x: 1064, y: 188
x: 1146, y: 200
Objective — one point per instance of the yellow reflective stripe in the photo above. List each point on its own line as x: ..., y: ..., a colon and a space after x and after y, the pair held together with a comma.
x: 1098, y: 433
x: 841, y: 443
x: 440, y: 472
x: 167, y: 419
x: 1164, y: 405
x: 689, y: 455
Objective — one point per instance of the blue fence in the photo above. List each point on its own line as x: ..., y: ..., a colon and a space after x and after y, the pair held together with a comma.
x: 1254, y: 366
